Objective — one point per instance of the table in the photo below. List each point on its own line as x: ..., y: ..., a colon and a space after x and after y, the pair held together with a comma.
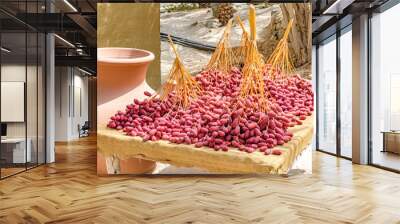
x: 391, y: 141
x: 13, y: 150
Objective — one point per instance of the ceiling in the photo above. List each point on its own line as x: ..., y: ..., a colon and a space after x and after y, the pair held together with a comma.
x: 74, y: 22
x: 332, y: 15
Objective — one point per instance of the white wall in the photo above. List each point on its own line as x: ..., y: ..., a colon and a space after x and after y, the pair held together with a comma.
x: 71, y: 93
x: 61, y: 103
x: 81, y: 89
x: 14, y: 73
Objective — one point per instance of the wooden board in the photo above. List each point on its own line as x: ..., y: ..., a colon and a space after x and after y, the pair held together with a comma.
x: 115, y: 143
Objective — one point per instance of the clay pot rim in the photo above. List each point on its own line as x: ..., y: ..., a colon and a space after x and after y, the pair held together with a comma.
x: 149, y: 56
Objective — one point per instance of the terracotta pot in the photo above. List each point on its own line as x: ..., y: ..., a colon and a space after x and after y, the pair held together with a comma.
x: 121, y: 78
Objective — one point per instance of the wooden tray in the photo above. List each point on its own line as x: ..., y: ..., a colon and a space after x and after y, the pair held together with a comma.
x: 111, y: 142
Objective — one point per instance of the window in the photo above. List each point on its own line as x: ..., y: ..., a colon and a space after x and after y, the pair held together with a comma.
x: 314, y: 84
x: 327, y: 96
x: 346, y: 95
x: 385, y: 89
x: 22, y: 78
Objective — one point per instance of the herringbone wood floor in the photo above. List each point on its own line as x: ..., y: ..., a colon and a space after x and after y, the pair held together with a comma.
x: 70, y: 192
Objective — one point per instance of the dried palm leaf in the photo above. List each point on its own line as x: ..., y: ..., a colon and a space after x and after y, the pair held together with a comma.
x: 280, y: 59
x: 180, y: 86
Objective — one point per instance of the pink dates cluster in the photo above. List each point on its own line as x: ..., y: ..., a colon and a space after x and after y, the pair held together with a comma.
x: 294, y: 95
x: 212, y: 121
